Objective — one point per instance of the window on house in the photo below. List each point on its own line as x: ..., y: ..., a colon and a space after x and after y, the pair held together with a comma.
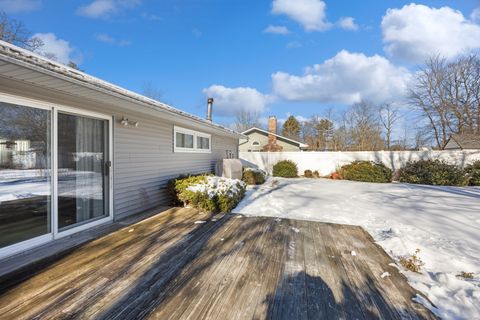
x: 203, y: 143
x: 255, y: 143
x: 184, y: 140
x: 187, y: 140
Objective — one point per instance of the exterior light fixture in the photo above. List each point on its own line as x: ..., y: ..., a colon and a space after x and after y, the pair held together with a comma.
x: 127, y: 123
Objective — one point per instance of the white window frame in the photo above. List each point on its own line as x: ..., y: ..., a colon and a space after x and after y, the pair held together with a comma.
x: 55, y: 233
x: 195, y: 134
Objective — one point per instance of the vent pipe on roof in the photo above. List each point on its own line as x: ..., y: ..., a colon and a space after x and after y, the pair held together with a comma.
x: 209, y: 109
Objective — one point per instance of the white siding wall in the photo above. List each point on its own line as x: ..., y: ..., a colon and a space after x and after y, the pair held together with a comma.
x: 143, y: 157
x: 328, y: 162
x: 145, y: 161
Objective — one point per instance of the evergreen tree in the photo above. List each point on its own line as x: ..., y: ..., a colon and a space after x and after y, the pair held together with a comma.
x: 291, y: 128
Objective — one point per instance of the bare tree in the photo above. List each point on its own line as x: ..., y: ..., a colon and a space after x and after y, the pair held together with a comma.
x: 388, y: 115
x: 246, y: 119
x: 364, y: 130
x: 15, y: 32
x: 448, y: 96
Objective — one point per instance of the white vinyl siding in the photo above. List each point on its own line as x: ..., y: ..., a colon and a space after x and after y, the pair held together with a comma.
x: 144, y: 157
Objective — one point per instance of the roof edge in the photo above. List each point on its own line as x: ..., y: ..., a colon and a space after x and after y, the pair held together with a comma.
x: 30, y: 59
x: 300, y: 144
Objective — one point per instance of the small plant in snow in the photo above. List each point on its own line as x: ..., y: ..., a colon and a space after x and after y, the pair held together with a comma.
x: 465, y: 275
x: 413, y: 263
x: 253, y: 176
x: 308, y: 174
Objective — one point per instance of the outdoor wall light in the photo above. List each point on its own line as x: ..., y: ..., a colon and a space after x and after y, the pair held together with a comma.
x: 127, y: 123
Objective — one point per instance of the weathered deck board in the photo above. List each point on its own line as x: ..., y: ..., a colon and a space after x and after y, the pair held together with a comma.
x: 230, y: 267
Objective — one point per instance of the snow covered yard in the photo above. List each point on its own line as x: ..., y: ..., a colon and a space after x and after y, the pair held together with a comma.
x: 443, y: 222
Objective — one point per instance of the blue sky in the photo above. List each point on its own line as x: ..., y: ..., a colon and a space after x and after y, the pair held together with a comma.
x: 277, y: 57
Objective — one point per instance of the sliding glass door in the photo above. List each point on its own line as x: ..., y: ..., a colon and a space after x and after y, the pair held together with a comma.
x: 83, y: 170
x: 55, y: 172
x: 25, y: 173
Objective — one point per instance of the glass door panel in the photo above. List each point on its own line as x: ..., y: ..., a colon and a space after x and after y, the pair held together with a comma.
x: 25, y: 173
x: 83, y: 170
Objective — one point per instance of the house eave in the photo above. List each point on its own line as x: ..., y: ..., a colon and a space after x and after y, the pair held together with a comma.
x: 31, y: 61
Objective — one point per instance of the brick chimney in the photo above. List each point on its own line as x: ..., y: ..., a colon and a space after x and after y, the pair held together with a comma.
x: 272, y: 145
x: 272, y: 128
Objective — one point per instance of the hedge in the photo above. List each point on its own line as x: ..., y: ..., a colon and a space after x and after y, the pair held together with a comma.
x: 366, y: 171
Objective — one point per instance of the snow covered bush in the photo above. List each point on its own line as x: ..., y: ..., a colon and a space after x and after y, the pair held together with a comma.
x: 473, y: 173
x: 210, y: 193
x: 432, y: 172
x: 253, y: 176
x: 285, y: 169
x: 366, y: 171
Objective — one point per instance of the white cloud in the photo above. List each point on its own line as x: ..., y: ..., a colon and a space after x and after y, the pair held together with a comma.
x: 347, y: 23
x: 475, y: 15
x: 277, y: 30
x: 105, y: 38
x: 105, y: 8
x: 345, y: 78
x: 309, y: 13
x: 229, y: 101
x: 58, y: 49
x: 15, y: 6
x: 416, y: 32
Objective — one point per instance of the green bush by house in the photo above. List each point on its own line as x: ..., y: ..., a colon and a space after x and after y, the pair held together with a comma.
x: 432, y: 172
x: 253, y: 176
x: 285, y: 169
x: 366, y: 171
x: 208, y: 192
x: 473, y: 173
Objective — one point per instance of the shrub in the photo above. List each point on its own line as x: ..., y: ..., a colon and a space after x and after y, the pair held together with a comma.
x: 413, y: 263
x: 308, y: 174
x: 473, y: 173
x: 432, y: 172
x: 366, y: 171
x: 316, y: 174
x: 209, y: 193
x: 253, y: 176
x: 466, y: 275
x: 285, y: 169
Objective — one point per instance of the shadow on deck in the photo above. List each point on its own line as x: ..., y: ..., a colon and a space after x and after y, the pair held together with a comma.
x: 171, y: 266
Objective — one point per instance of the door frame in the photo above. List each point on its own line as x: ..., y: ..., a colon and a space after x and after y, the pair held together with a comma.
x: 93, y: 115
x: 54, y: 233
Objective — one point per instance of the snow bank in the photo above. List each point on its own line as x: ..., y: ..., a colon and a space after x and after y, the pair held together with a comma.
x: 443, y: 222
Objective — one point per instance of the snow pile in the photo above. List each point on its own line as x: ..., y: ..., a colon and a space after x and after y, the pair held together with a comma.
x: 215, y: 186
x: 443, y: 222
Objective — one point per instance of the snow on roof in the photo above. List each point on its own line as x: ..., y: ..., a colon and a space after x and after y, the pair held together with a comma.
x: 300, y: 144
x: 36, y: 60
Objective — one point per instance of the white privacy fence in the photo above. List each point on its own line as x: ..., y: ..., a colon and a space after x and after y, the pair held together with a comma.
x: 328, y: 162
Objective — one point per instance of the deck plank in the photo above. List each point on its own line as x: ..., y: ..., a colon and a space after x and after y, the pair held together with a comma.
x: 230, y: 267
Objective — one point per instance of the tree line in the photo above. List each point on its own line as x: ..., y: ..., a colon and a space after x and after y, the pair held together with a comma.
x: 443, y: 97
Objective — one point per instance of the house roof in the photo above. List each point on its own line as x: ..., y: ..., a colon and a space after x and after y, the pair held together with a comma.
x: 27, y: 59
x: 467, y: 141
x: 300, y: 144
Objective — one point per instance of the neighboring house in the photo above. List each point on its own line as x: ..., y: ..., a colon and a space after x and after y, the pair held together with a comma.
x: 463, y: 142
x: 77, y: 151
x: 262, y: 140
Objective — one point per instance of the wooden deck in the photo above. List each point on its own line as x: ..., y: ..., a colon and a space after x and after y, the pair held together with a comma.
x: 230, y: 267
